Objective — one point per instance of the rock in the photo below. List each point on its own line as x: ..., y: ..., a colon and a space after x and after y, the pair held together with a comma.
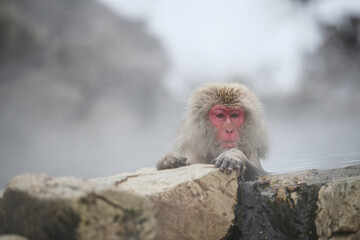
x: 193, y: 202
x: 12, y: 237
x: 42, y: 207
x: 284, y: 206
x: 338, y: 214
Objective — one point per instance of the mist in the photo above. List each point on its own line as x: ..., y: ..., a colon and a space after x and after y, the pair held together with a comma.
x: 96, y: 88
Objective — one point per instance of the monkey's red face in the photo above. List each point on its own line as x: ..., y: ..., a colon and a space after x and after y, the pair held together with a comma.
x: 227, y: 121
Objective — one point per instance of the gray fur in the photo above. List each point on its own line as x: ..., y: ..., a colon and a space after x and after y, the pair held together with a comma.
x: 196, y: 137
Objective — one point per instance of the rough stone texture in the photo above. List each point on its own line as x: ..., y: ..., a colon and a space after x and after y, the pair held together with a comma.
x: 284, y: 206
x: 12, y: 237
x: 193, y: 202
x: 40, y: 207
x: 339, y: 210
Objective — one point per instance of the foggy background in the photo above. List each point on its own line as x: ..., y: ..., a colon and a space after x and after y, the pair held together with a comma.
x: 94, y: 88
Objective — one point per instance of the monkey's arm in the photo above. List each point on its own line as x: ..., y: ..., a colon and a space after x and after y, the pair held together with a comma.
x: 254, y: 168
x: 171, y: 160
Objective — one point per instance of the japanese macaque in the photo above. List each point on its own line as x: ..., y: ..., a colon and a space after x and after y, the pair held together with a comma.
x: 223, y: 125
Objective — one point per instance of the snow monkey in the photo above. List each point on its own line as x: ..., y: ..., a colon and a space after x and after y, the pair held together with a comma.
x: 223, y: 125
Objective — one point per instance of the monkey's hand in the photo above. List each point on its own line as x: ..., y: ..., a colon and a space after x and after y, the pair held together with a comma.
x: 232, y: 159
x: 171, y: 160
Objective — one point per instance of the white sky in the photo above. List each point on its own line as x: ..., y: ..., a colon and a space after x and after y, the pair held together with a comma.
x: 210, y: 40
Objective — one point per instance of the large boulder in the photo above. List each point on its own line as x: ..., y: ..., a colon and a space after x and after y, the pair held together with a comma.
x: 285, y: 206
x: 193, y: 202
x: 42, y: 207
x: 338, y: 214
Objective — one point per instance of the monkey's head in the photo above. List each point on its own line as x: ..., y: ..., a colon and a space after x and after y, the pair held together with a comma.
x: 226, y: 115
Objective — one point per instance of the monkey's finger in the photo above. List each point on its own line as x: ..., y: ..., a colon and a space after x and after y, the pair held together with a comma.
x: 237, y: 166
x: 218, y: 162
x: 224, y: 164
x: 181, y: 162
x: 230, y: 167
x: 184, y: 161
x: 171, y: 164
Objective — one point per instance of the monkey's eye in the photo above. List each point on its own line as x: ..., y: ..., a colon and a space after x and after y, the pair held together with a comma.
x: 235, y: 115
x: 220, y: 115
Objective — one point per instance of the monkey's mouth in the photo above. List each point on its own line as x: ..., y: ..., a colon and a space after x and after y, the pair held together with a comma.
x: 228, y: 144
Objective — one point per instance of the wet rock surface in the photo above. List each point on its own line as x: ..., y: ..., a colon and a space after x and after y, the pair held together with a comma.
x: 285, y: 206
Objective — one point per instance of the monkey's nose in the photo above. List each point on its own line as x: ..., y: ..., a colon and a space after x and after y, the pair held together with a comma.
x: 229, y: 131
